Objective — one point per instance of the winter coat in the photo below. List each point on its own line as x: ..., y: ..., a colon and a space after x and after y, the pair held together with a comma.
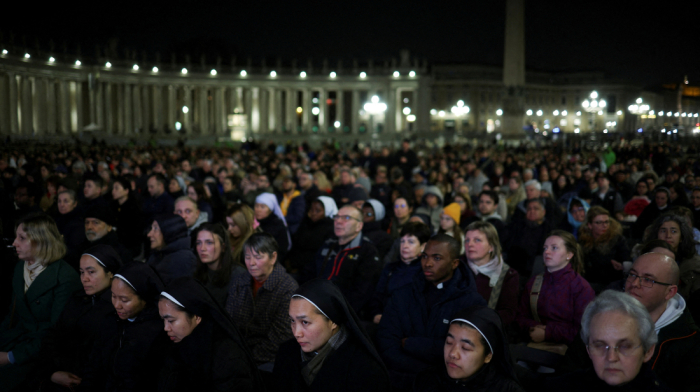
x: 34, y: 313
x: 262, y: 319
x: 395, y: 275
x: 611, y: 201
x: 378, y: 237
x: 72, y: 228
x: 486, y: 379
x: 305, y: 244
x: 587, y: 380
x: 275, y: 227
x: 350, y: 368
x: 111, y: 239
x: 599, y: 271
x: 163, y: 204
x: 130, y: 225
x: 174, y: 261
x: 434, y: 212
x: 407, y: 316
x: 507, y: 305
x: 296, y: 211
x: 647, y: 217
x: 525, y: 240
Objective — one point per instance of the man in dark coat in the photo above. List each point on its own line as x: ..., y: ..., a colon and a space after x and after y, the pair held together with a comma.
x: 526, y: 238
x: 606, y: 197
x: 92, y: 191
x: 406, y: 159
x: 99, y: 229
x: 413, y: 327
x: 308, y: 189
x: 160, y: 201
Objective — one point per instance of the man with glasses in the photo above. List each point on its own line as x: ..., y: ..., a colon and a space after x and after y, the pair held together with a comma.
x: 349, y: 259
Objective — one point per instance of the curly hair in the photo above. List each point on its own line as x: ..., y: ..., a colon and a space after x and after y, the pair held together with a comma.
x: 686, y: 248
x: 605, y: 242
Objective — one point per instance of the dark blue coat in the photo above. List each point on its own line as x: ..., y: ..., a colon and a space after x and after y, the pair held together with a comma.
x: 394, y: 276
x: 407, y: 316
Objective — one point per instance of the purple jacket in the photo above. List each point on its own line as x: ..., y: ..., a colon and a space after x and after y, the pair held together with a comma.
x: 562, y: 300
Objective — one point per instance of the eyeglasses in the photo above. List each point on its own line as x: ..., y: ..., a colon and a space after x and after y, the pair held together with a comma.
x: 345, y: 218
x: 646, y: 282
x: 600, y: 349
x: 399, y: 206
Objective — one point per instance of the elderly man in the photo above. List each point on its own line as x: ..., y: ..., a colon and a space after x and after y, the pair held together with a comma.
x: 100, y: 229
x: 533, y: 190
x: 188, y: 210
x: 349, y: 259
x: 309, y: 190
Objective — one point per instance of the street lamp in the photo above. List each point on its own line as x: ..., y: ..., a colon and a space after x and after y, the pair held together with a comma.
x: 594, y: 106
x: 461, y: 109
x: 374, y: 107
x: 638, y: 108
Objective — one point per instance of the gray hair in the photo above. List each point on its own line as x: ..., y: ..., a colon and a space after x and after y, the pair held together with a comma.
x: 534, y: 183
x: 616, y: 301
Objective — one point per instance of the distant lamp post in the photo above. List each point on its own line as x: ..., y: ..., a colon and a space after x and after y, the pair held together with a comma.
x: 374, y: 107
x: 639, y: 108
x: 460, y: 109
x: 594, y: 106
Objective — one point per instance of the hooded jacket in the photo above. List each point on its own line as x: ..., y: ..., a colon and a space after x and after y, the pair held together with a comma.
x: 570, y: 224
x: 434, y: 212
x: 176, y: 259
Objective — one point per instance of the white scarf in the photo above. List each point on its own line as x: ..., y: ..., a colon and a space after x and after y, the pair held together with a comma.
x: 492, y: 269
x: 31, y: 272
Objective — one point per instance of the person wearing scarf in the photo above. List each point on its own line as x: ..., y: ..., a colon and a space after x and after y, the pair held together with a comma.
x: 208, y: 354
x: 131, y: 346
x: 42, y: 284
x: 495, y: 281
x: 330, y: 349
x: 271, y: 219
x: 67, y: 346
x: 476, y: 357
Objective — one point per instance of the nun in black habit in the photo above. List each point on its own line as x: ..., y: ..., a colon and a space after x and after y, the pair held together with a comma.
x: 209, y: 353
x: 67, y: 345
x: 330, y: 349
x: 129, y: 352
x: 476, y: 357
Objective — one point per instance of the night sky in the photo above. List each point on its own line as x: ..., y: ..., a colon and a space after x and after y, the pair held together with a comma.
x: 647, y: 45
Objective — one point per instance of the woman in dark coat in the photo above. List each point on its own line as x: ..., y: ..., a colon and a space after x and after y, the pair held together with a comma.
x: 67, y: 346
x: 209, y: 353
x: 476, y: 354
x: 604, y: 248
x: 660, y: 204
x: 331, y: 351
x: 312, y: 232
x: 269, y: 215
x: 172, y: 256
x: 127, y: 209
x: 41, y: 286
x: 128, y: 353
x: 70, y: 221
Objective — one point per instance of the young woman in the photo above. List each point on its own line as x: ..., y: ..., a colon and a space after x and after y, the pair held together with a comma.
x: 604, y: 248
x: 403, y: 208
x: 562, y: 296
x: 208, y: 353
x: 215, y: 266
x: 197, y: 192
x: 172, y: 256
x: 42, y: 285
x: 336, y: 354
x: 127, y: 210
x: 640, y: 199
x: 449, y: 223
x: 68, y: 344
x: 495, y: 280
x: 241, y: 225
x: 476, y: 357
x: 269, y: 215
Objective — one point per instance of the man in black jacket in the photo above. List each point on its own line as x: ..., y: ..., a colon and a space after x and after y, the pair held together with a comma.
x: 606, y: 197
x: 99, y: 229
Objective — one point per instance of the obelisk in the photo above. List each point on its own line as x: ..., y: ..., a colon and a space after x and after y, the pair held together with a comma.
x: 514, y: 71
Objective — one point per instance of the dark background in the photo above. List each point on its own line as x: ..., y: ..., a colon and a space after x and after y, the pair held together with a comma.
x: 644, y: 43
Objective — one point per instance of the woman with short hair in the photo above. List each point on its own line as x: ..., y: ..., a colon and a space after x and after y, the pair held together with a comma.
x: 42, y: 285
x: 215, y: 266
x: 604, y: 248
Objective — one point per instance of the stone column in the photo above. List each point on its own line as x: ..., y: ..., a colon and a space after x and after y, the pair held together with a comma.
x: 91, y: 102
x: 219, y: 112
x: 203, y: 110
x: 390, y: 115
x: 4, y: 105
x: 79, y: 107
x: 306, y: 106
x: 99, y: 105
x: 323, y: 113
x: 171, y: 108
x: 277, y: 113
x: 158, y: 108
x: 290, y: 114
x: 39, y: 109
x: 138, y: 109
x: 51, y: 107
x: 187, y: 117
x: 423, y: 107
x: 340, y: 109
x: 109, y: 109
x: 356, y: 105
x: 264, y: 106
x: 399, y: 118
x: 146, y: 116
x: 128, y: 110
x: 119, y: 115
x: 513, y: 70
x: 253, y: 109
x: 14, y: 100
x: 27, y: 117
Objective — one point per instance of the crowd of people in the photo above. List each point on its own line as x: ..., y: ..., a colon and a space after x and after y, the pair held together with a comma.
x: 272, y: 267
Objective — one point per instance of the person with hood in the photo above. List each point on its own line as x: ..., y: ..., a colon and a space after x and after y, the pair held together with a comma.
x: 316, y: 227
x: 171, y: 255
x: 431, y: 205
x: 129, y: 350
x: 129, y: 219
x: 269, y: 214
x: 209, y: 353
x: 176, y: 187
x: 70, y: 221
x: 330, y: 349
x: 67, y: 346
x: 100, y: 223
x: 412, y: 327
x: 189, y: 211
x: 373, y: 214
x: 476, y: 357
x: 576, y: 211
x: 661, y: 203
x: 604, y: 248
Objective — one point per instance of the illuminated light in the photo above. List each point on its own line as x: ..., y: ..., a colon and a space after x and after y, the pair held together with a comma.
x: 640, y: 130
x: 537, y: 130
x: 26, y: 55
x: 619, y: 113
x: 185, y: 109
x: 135, y: 67
x: 77, y: 62
x: 4, y: 52
x: 441, y: 113
x: 546, y: 126
x: 564, y: 113
x: 675, y: 131
x: 602, y: 103
x: 661, y: 114
x: 52, y: 60
x: 213, y: 72
x: 243, y: 140
x: 433, y: 112
x: 406, y: 111
x: 696, y: 130
x: 315, y: 111
x: 155, y: 70
x: 556, y: 112
x: 586, y: 104
x: 529, y: 112
x: 683, y: 114
x: 244, y: 73
x: 411, y: 118
x: 639, y: 101
x: 605, y: 130
x: 663, y: 130
x: 695, y: 115
x: 178, y: 125
x: 375, y: 99
x: 397, y: 74
x: 600, y: 112
x: 412, y: 74
x: 300, y: 110
x: 314, y: 100
x: 499, y: 112
x: 651, y: 112
x: 273, y: 74
x: 676, y: 114
x: 577, y: 130
x: 302, y: 74
x: 540, y: 113
x: 183, y: 71
x: 108, y: 65
x: 329, y: 101
x: 594, y: 94
x: 578, y: 113
x: 556, y: 130
x: 336, y: 124
x: 460, y: 109
x: 333, y: 75
x: 363, y: 75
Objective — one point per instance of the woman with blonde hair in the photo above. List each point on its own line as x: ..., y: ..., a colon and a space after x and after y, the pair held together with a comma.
x: 42, y: 285
x: 322, y: 182
x: 604, y: 248
x: 241, y: 225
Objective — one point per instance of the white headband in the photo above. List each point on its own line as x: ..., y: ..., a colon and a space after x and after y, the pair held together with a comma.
x: 98, y: 260
x: 312, y: 303
x: 477, y: 329
x: 127, y: 282
x: 170, y: 297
